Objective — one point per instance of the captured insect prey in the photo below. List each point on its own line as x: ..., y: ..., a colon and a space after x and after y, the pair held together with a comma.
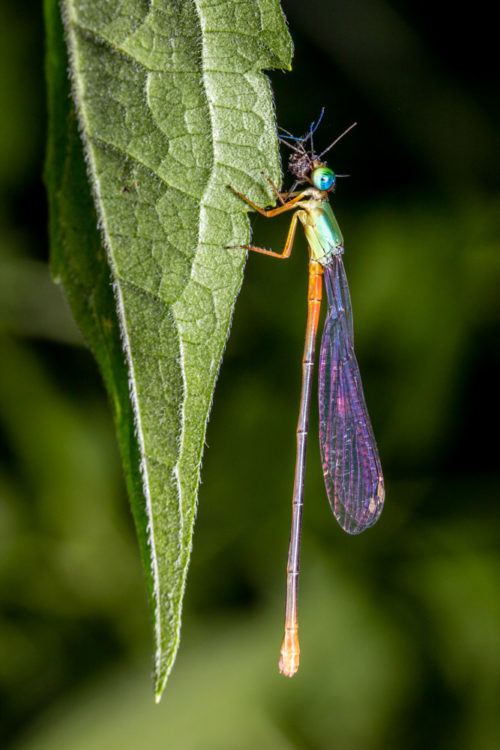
x: 349, y: 455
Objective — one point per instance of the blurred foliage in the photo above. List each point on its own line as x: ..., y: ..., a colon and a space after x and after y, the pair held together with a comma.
x: 399, y: 626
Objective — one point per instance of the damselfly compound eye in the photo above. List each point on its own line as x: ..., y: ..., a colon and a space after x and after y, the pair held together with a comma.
x: 323, y: 178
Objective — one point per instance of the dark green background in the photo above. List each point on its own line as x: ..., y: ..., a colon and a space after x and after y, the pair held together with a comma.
x: 400, y: 627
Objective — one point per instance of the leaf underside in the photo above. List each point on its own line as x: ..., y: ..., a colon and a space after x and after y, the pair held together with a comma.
x: 171, y: 107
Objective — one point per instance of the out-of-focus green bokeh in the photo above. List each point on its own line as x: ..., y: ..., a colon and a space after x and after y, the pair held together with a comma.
x: 400, y: 627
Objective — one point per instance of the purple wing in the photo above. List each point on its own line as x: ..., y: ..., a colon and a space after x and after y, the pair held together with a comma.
x: 351, y: 464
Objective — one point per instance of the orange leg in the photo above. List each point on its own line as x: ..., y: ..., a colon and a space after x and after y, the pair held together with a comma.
x: 270, y: 212
x: 290, y: 205
x: 288, y: 244
x: 276, y: 191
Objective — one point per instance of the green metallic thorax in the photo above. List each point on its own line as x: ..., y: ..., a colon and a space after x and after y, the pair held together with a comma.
x: 321, y: 228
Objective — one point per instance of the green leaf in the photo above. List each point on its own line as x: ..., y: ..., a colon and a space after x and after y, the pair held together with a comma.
x: 172, y: 107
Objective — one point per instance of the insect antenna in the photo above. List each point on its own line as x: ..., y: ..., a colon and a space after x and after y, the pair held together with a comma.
x: 313, y: 129
x: 298, y: 149
x: 288, y: 135
x: 337, y: 139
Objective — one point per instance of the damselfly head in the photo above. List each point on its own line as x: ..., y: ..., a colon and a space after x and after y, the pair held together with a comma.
x: 304, y: 163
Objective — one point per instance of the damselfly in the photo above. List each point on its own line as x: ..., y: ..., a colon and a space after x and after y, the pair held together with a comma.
x: 350, y: 460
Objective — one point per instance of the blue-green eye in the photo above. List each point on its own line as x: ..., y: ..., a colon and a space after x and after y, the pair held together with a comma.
x: 323, y: 178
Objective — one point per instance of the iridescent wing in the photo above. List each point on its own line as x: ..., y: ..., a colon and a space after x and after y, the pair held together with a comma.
x: 349, y: 455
